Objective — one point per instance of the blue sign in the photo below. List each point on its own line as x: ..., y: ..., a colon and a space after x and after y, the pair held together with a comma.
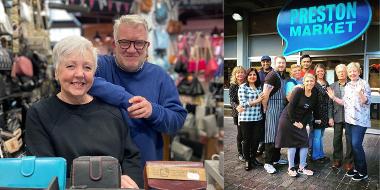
x: 323, y: 25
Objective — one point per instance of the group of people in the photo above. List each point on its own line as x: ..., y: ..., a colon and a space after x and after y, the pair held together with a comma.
x: 107, y: 105
x: 293, y: 111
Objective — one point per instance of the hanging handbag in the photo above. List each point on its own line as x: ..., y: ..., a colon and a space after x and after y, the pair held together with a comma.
x: 32, y: 172
x: 146, y: 5
x: 181, y: 151
x: 181, y: 65
x: 174, y: 26
x: 96, y: 172
x: 5, y: 59
x: 190, y: 87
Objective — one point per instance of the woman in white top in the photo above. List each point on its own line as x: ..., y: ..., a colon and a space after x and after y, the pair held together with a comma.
x: 356, y: 102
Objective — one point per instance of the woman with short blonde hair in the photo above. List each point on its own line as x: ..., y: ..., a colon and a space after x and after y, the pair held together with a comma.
x: 356, y: 102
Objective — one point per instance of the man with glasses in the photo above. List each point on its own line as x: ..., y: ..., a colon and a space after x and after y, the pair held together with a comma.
x: 145, y: 93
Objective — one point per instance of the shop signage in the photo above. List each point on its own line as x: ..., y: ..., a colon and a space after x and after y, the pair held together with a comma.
x: 320, y: 25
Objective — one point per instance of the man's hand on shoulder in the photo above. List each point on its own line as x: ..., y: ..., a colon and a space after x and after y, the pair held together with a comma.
x: 140, y: 108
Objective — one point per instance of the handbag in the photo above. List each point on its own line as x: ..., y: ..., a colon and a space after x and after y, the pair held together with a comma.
x: 174, y: 26
x: 146, y: 5
x: 32, y: 172
x: 181, y: 151
x: 96, y: 172
x: 190, y: 88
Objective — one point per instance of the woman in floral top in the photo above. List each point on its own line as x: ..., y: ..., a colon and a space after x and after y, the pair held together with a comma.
x: 356, y: 102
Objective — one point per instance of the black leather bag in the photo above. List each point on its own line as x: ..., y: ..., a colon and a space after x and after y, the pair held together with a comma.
x: 96, y: 172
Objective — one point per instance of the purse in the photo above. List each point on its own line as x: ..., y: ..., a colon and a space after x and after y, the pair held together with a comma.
x: 96, y: 172
x: 177, y: 169
x: 32, y: 172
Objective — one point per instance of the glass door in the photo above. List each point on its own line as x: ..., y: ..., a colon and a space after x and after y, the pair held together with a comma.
x: 374, y: 83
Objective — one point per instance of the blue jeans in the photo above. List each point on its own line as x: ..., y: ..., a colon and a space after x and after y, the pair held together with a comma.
x: 318, y: 144
x: 357, y: 133
x: 302, y: 158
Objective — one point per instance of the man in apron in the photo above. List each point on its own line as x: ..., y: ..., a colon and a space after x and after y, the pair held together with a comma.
x: 274, y: 103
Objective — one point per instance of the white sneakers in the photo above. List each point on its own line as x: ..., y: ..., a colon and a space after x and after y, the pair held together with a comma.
x: 269, y: 168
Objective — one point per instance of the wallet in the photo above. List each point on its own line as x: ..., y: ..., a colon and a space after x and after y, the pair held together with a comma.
x: 32, y: 172
x: 169, y: 169
x: 96, y: 172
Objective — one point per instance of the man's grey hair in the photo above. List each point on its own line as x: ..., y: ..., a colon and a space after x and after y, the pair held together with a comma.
x: 340, y: 66
x: 128, y: 19
x: 70, y: 45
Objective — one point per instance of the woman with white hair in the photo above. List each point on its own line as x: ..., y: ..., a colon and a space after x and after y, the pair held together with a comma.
x: 73, y: 123
x: 356, y: 102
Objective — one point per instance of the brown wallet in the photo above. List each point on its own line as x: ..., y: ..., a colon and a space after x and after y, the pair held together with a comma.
x: 96, y: 172
x: 167, y: 184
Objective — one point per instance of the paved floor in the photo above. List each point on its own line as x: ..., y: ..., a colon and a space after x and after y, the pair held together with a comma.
x: 324, y: 176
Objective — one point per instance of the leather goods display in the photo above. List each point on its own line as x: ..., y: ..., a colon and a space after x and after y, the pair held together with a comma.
x: 193, y: 170
x: 174, y: 26
x: 13, y: 144
x: 181, y: 151
x: 96, y: 172
x: 5, y: 59
x: 32, y: 172
x: 146, y: 5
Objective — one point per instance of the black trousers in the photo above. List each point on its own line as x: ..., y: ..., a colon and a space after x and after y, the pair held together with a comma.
x: 239, y: 137
x: 251, y: 136
x: 272, y: 154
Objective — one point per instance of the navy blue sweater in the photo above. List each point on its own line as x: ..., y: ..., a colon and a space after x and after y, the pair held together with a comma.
x: 151, y: 82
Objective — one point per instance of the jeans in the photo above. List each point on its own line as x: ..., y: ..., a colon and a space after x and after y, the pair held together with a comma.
x: 357, y: 133
x: 318, y: 144
x: 338, y: 144
x: 302, y: 157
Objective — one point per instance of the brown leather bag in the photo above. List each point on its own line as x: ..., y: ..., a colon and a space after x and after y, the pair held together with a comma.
x: 146, y: 6
x: 96, y: 172
x: 174, y: 27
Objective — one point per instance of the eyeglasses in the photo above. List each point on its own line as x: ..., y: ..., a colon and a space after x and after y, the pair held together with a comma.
x: 138, y: 44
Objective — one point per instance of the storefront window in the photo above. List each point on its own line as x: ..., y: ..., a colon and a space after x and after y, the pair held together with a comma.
x: 374, y: 75
x: 374, y: 78
x: 228, y: 66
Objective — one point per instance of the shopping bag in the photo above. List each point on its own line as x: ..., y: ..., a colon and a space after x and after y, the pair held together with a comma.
x: 32, y: 172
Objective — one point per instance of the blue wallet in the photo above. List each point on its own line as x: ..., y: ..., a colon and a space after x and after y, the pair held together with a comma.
x: 32, y: 172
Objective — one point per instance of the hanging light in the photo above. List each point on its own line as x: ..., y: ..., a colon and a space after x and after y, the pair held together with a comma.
x: 237, y: 17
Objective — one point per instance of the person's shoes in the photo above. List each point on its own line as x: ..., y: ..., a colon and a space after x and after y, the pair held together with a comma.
x: 281, y: 162
x: 248, y: 166
x: 260, y: 149
x: 359, y: 177
x: 323, y: 160
x: 292, y: 172
x: 269, y: 168
x: 348, y: 166
x: 351, y: 173
x: 336, y: 164
x: 241, y: 158
x: 305, y: 171
x: 256, y: 162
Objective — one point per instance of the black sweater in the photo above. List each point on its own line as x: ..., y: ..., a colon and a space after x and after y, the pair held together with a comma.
x: 55, y: 128
x: 300, y: 106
